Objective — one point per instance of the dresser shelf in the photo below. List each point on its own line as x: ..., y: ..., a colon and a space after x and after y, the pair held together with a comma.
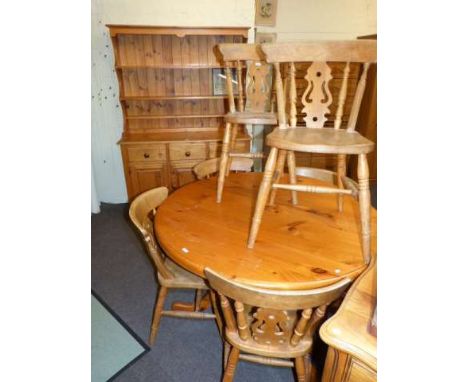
x: 169, y: 98
x: 174, y: 116
x: 182, y: 66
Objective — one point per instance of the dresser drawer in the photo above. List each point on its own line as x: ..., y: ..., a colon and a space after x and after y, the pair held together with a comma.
x: 181, y: 151
x: 147, y: 153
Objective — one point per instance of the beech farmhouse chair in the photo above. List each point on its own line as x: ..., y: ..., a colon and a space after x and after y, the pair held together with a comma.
x: 315, y: 137
x: 170, y: 275
x: 256, y: 109
x: 271, y: 327
x: 207, y: 168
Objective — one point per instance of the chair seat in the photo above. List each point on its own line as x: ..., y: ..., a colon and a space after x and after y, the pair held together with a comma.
x: 278, y: 351
x: 319, y: 140
x: 182, y: 278
x: 251, y: 117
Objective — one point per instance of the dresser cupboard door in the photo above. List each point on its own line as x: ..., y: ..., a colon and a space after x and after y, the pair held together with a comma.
x: 182, y: 176
x: 342, y: 367
x: 145, y: 176
x: 182, y: 172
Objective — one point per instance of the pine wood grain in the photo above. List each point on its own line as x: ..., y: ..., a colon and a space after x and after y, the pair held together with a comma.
x: 298, y: 247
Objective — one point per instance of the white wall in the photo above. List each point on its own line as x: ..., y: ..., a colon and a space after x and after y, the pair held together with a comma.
x: 296, y: 20
x: 324, y: 19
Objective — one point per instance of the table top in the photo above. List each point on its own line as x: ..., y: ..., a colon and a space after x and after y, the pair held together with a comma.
x: 349, y: 329
x: 298, y: 247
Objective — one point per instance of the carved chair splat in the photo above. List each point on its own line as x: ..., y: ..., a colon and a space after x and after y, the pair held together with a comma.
x: 315, y: 137
x: 271, y: 327
x: 253, y: 100
x: 170, y: 275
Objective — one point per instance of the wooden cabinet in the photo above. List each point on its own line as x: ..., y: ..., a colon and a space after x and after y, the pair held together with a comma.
x: 172, y: 117
x: 352, y: 351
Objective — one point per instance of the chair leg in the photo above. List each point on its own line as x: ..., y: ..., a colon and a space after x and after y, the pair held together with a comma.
x: 198, y: 298
x: 310, y: 370
x: 224, y: 162
x: 340, y: 171
x: 227, y: 350
x: 214, y: 306
x: 279, y: 170
x: 300, y: 368
x: 235, y: 129
x: 231, y: 365
x: 292, y: 175
x: 307, y: 367
x: 263, y: 191
x: 364, y: 205
x: 157, y: 313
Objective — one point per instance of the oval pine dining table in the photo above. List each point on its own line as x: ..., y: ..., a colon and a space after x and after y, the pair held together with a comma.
x: 298, y: 247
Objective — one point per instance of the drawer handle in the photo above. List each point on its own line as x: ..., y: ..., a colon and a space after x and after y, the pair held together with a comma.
x: 187, y: 153
x: 146, y: 155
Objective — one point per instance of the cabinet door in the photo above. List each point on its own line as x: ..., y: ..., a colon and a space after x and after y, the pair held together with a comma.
x: 182, y: 172
x: 342, y: 367
x: 145, y: 176
x: 182, y: 176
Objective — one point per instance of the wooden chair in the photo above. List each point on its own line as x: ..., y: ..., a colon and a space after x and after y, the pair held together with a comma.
x: 205, y: 169
x: 170, y: 275
x: 315, y: 137
x: 256, y: 109
x: 271, y: 327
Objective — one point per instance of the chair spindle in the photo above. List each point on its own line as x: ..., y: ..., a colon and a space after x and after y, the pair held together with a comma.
x: 342, y: 97
x: 228, y: 313
x: 317, y: 316
x: 292, y: 95
x: 280, y: 97
x: 240, y: 87
x: 358, y: 98
x: 230, y: 91
x: 242, y: 323
x: 299, y: 330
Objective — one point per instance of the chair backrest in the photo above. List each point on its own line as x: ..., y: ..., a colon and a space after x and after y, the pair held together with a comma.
x: 318, y: 104
x: 256, y: 89
x: 269, y: 316
x: 142, y: 212
x: 205, y: 169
